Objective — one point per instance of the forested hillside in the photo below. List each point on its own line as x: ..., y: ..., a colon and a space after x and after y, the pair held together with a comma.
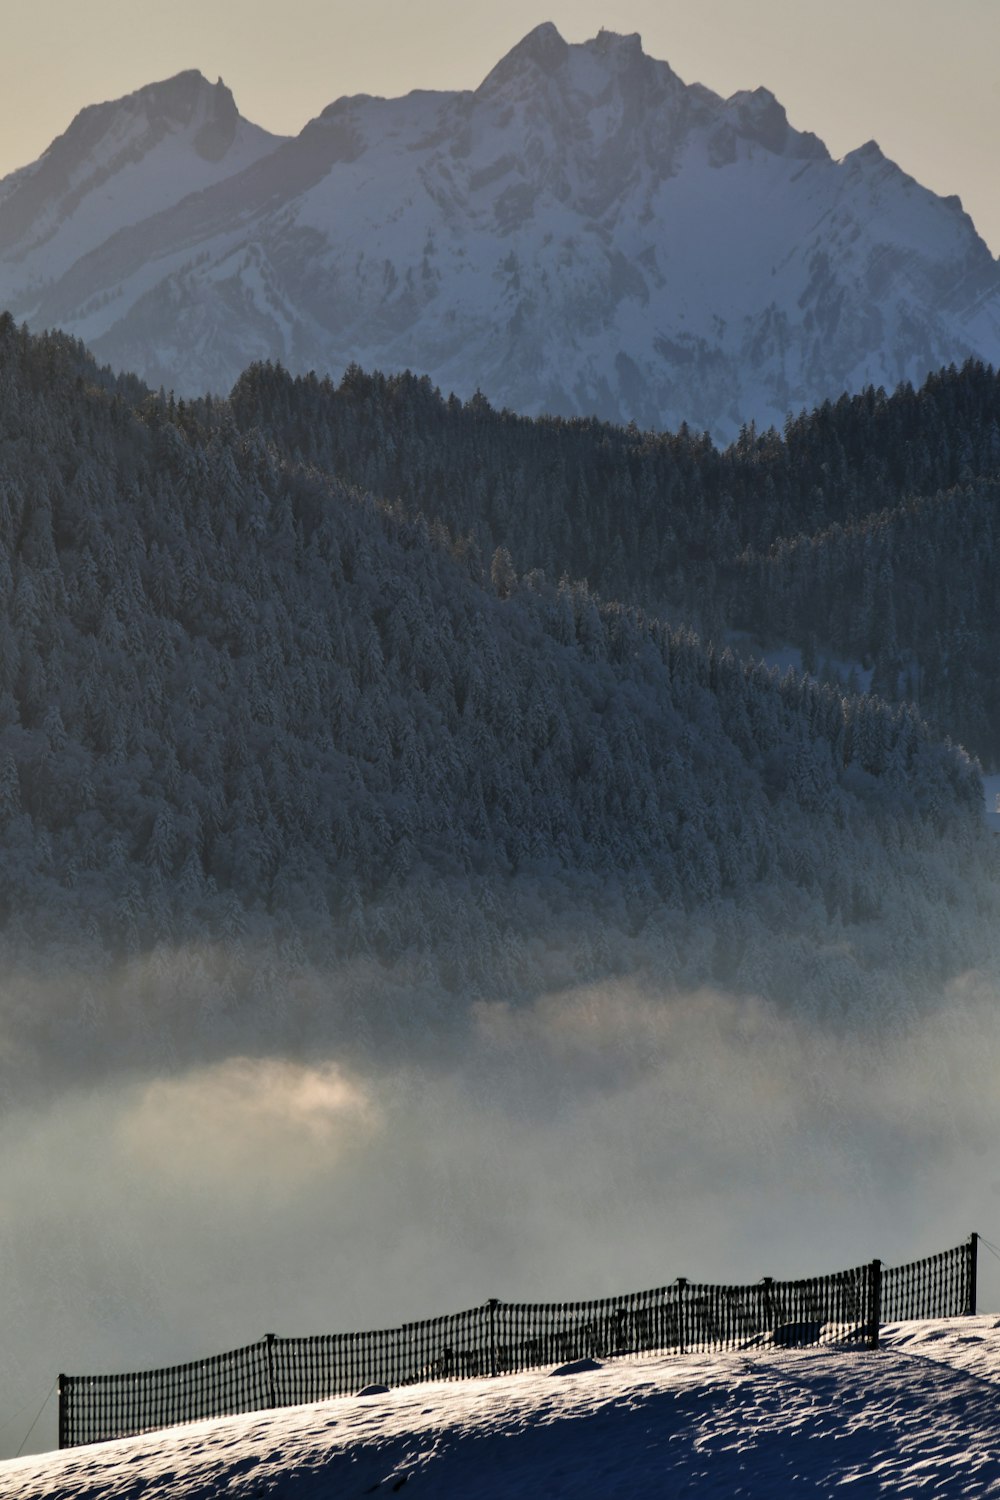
x: 261, y: 729
x: 864, y: 531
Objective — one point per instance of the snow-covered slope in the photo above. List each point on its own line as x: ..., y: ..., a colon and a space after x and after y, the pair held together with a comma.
x: 919, y: 1416
x: 583, y: 233
x: 115, y: 165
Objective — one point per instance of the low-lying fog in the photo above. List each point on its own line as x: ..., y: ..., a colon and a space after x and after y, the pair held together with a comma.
x: 602, y: 1140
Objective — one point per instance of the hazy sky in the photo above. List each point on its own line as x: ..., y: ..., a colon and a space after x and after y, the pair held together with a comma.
x: 917, y: 75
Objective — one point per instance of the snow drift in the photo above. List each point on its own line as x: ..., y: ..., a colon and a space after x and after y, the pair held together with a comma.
x: 921, y: 1414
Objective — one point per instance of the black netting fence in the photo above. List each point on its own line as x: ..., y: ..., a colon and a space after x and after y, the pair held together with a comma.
x: 942, y: 1286
x: 93, y: 1408
x: 502, y: 1338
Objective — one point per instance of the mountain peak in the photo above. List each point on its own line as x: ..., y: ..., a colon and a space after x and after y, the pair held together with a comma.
x: 871, y: 153
x: 188, y: 99
x: 543, y: 44
x: 114, y: 163
x: 177, y: 97
x: 185, y: 84
x: 758, y: 116
x: 543, y: 48
x: 185, y: 101
x: 628, y: 43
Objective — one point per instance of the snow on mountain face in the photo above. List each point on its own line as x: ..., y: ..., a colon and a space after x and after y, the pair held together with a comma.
x: 117, y: 164
x: 584, y: 233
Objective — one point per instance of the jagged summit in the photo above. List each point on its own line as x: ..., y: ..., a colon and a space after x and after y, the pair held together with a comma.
x: 758, y: 116
x: 544, y: 53
x: 543, y: 49
x: 168, y: 104
x: 179, y: 95
x: 567, y: 82
x: 870, y: 151
x: 617, y: 43
x: 117, y: 162
x: 189, y: 99
x: 543, y: 44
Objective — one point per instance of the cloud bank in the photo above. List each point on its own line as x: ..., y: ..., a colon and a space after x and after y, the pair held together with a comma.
x: 600, y: 1140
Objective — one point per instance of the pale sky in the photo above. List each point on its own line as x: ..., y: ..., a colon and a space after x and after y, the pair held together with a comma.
x: 919, y: 76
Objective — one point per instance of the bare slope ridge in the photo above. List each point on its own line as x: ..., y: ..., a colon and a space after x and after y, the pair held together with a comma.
x: 921, y: 1414
x: 583, y: 233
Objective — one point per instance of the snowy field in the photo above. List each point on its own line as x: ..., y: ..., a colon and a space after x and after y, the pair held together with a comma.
x: 919, y: 1417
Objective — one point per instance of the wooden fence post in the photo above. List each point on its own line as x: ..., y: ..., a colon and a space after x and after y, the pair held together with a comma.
x: 681, y: 1286
x: 493, y: 1304
x: 63, y: 1434
x: 874, y: 1302
x: 767, y: 1302
x: 271, y: 1393
x: 970, y: 1309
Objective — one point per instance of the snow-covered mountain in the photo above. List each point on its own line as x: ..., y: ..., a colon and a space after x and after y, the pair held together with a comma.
x: 117, y: 164
x: 583, y: 233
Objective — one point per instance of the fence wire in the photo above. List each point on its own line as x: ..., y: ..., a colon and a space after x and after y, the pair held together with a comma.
x: 500, y: 1338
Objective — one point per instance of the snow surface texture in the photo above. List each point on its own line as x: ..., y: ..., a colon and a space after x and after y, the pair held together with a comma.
x: 582, y: 234
x: 920, y: 1416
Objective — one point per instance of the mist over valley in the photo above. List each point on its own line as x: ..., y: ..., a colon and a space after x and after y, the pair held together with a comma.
x: 416, y: 882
